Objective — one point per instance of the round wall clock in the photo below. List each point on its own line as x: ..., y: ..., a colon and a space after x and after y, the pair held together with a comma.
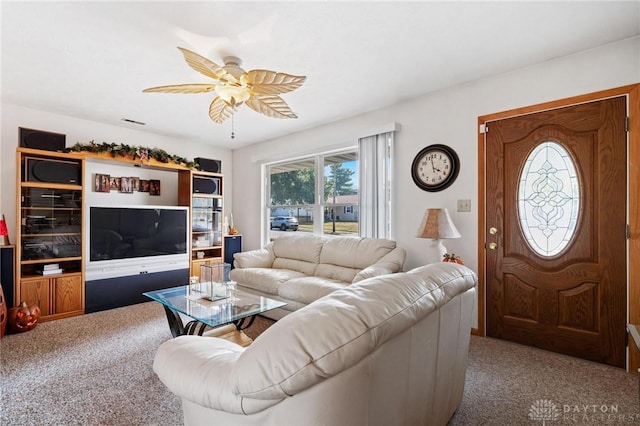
x: 435, y: 168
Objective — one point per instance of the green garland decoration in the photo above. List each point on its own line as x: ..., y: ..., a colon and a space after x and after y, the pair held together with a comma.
x: 136, y: 152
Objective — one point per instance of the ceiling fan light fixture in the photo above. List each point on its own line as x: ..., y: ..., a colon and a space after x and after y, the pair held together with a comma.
x: 258, y: 89
x: 233, y: 95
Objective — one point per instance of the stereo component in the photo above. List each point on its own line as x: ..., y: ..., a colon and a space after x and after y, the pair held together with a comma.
x: 52, y: 171
x: 206, y: 185
x: 209, y: 165
x: 39, y: 139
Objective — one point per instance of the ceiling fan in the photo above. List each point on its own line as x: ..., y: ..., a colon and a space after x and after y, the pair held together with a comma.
x: 258, y: 89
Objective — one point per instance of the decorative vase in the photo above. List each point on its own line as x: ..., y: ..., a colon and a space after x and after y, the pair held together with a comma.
x: 214, y: 279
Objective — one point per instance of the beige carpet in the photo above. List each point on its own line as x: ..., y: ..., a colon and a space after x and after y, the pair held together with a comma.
x: 506, y: 383
x: 96, y: 370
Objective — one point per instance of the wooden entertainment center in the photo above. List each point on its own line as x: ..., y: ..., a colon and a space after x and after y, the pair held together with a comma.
x: 50, y: 229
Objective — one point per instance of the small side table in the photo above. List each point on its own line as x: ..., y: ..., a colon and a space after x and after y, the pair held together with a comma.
x: 232, y: 245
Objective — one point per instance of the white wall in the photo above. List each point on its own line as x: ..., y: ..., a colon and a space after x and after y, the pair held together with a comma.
x: 83, y: 131
x: 448, y: 117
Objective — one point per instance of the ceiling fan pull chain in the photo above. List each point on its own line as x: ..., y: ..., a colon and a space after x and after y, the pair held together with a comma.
x: 233, y: 134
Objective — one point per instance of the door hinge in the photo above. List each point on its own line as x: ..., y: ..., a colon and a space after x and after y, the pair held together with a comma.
x: 626, y: 124
x: 627, y: 232
x: 483, y: 128
x: 626, y: 337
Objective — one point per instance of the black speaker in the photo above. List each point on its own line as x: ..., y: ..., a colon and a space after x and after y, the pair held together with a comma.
x: 52, y: 171
x: 206, y: 185
x: 7, y: 274
x: 232, y: 245
x: 38, y: 139
x: 209, y: 165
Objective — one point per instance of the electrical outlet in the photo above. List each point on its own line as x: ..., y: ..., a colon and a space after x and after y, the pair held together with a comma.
x: 464, y: 205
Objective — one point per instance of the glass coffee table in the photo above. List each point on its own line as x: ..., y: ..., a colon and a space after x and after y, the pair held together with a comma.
x: 227, y: 317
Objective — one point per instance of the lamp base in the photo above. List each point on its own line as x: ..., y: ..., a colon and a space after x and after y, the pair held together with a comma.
x: 435, y: 252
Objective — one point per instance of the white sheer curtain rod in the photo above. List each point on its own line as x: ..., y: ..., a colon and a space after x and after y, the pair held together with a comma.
x: 378, y: 130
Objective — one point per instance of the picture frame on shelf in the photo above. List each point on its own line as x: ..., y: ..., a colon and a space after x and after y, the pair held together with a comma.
x: 114, y: 183
x: 126, y: 185
x: 154, y: 187
x: 101, y: 183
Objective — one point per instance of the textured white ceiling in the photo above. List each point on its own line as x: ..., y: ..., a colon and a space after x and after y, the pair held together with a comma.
x: 93, y: 59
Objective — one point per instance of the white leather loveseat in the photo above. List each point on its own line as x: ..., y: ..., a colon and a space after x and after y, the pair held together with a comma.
x: 388, y: 350
x: 301, y: 268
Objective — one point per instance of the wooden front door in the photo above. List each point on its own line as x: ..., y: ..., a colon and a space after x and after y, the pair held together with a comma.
x: 556, y: 223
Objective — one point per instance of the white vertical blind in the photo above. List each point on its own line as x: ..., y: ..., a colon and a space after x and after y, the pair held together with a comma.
x: 374, y: 190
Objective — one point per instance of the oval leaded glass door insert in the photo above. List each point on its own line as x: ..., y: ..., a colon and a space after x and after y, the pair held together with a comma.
x: 548, y: 199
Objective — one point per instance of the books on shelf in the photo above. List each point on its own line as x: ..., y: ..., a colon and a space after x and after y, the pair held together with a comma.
x: 49, y: 271
x: 51, y: 266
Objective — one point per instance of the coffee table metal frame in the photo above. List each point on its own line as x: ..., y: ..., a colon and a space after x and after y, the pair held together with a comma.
x: 240, y: 309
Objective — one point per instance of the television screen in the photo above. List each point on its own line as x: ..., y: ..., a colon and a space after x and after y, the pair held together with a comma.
x: 131, y: 232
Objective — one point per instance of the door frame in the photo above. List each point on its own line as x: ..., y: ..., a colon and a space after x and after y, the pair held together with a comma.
x: 633, y: 200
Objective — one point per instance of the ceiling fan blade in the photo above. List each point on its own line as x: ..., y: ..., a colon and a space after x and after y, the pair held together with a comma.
x: 270, y: 105
x: 207, y: 67
x: 182, y: 88
x: 219, y: 110
x: 265, y: 82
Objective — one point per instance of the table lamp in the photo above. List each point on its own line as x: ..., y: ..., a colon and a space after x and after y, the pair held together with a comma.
x: 4, y: 233
x: 437, y: 225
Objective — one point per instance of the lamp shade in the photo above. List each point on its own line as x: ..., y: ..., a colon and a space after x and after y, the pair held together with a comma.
x: 4, y: 233
x: 437, y: 224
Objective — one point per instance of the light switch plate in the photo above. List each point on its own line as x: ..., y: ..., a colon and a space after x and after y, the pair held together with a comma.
x: 464, y: 205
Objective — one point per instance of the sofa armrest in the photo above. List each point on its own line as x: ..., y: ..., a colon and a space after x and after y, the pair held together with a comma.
x: 261, y: 258
x: 203, y: 371
x: 198, y: 369
x: 390, y: 263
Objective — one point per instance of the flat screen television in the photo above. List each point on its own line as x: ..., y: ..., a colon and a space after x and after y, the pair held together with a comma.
x: 131, y: 240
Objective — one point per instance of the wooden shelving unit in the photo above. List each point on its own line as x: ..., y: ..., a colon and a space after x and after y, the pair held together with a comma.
x: 49, y: 233
x: 207, y: 236
x: 50, y: 229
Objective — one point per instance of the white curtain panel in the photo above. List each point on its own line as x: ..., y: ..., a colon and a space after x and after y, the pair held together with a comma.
x: 374, y: 191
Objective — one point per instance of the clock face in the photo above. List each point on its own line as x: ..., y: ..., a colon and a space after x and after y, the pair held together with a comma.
x: 435, y: 168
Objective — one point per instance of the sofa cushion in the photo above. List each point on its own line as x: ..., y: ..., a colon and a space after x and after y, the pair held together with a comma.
x: 357, y: 253
x: 391, y: 263
x: 334, y: 272
x: 304, y: 247
x: 307, y: 268
x: 262, y: 258
x: 297, y: 354
x: 308, y: 289
x: 266, y: 280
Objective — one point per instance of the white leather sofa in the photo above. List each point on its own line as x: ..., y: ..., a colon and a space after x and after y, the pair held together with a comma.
x: 299, y: 269
x: 388, y: 350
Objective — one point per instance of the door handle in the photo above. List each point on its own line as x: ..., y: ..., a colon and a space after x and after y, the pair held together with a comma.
x: 493, y: 246
x: 493, y: 231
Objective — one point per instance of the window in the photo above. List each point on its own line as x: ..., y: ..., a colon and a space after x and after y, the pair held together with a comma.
x: 549, y: 199
x: 340, y: 192
x: 320, y: 191
x: 292, y: 186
